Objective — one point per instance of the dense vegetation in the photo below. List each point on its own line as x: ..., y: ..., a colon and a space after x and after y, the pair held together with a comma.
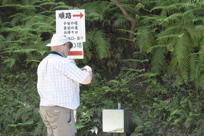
x: 146, y: 54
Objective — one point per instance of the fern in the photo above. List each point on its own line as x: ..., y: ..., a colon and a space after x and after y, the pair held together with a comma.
x: 175, y: 32
x: 182, y: 52
x: 2, y: 39
x: 9, y: 62
x: 101, y: 43
x: 145, y: 39
x: 194, y: 69
x: 96, y: 10
x: 120, y: 21
x: 158, y: 60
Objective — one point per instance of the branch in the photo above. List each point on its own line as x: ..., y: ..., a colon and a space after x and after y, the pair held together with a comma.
x: 129, y: 18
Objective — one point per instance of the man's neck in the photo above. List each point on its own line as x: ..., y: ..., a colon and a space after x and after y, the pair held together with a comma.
x: 59, y: 53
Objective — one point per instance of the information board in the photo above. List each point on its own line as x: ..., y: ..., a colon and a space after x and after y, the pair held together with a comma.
x: 71, y: 24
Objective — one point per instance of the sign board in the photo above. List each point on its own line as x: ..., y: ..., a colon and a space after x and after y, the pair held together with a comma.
x: 71, y: 24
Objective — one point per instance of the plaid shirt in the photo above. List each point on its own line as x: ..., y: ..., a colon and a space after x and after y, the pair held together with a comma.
x: 58, y: 82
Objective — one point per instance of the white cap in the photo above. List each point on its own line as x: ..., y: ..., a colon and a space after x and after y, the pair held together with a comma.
x: 58, y: 40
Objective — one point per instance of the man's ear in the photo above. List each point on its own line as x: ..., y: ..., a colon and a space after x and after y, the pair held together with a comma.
x: 70, y: 45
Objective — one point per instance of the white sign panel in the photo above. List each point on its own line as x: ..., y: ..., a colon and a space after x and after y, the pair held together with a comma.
x: 71, y: 24
x: 77, y: 51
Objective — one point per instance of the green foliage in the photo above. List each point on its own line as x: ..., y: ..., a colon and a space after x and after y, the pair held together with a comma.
x: 158, y: 75
x: 19, y: 106
x: 27, y: 28
x: 97, y: 39
x: 96, y: 10
x: 178, y: 31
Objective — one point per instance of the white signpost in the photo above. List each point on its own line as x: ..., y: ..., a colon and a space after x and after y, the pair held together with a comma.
x: 71, y: 24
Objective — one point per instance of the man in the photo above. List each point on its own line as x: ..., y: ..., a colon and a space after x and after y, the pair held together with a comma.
x: 58, y: 86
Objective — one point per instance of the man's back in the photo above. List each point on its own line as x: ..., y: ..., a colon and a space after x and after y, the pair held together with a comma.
x: 58, y: 81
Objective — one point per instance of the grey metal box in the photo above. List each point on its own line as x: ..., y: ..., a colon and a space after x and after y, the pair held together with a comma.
x: 114, y: 121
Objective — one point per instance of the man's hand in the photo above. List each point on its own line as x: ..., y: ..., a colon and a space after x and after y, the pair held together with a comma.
x: 87, y: 68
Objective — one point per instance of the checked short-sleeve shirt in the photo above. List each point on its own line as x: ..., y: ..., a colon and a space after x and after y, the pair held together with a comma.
x: 58, y: 82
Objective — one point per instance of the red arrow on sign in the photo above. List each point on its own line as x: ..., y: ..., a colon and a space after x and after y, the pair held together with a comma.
x: 78, y: 15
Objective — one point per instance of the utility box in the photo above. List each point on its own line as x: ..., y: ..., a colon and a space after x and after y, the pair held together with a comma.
x: 115, y: 121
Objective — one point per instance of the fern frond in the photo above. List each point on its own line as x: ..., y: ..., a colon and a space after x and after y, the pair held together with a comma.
x: 200, y: 65
x: 182, y: 52
x: 129, y: 7
x: 194, y: 68
x: 2, y: 39
x: 24, y: 50
x: 134, y: 60
x: 158, y: 62
x: 195, y: 34
x: 172, y: 29
x: 62, y: 7
x: 16, y: 19
x: 38, y: 23
x: 169, y: 7
x: 102, y: 45
x: 174, y: 17
x: 48, y: 3
x: 96, y: 40
x: 96, y: 10
x: 19, y: 6
x: 119, y: 21
x: 9, y: 62
x: 152, y: 18
x: 169, y: 36
x: 145, y: 39
x: 16, y: 29
x: 94, y: 16
x: 128, y: 31
x: 132, y: 69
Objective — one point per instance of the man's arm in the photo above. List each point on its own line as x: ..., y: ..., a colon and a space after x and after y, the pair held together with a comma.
x: 72, y: 71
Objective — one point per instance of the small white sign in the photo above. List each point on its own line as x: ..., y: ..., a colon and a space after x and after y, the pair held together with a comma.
x: 71, y: 24
x: 77, y: 51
